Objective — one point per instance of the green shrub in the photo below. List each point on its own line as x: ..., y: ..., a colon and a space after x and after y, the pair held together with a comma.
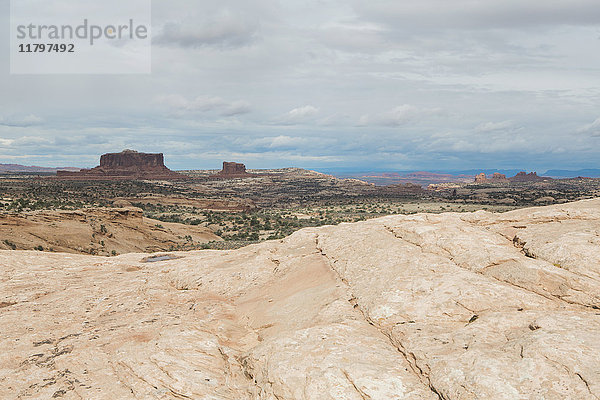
x: 10, y: 244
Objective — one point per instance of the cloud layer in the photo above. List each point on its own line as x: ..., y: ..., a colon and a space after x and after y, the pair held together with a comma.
x: 382, y: 84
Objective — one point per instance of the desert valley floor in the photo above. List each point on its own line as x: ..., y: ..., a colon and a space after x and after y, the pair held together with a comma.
x: 445, y: 306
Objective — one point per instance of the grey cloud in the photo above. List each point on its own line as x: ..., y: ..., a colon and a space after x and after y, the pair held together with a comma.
x: 398, y: 116
x: 489, y: 14
x: 204, y: 104
x: 21, y: 121
x: 279, y: 143
x: 225, y: 29
x: 386, y: 84
x: 354, y: 37
x: 337, y: 119
x: 31, y: 141
x: 494, y: 126
x: 81, y: 140
x: 286, y: 142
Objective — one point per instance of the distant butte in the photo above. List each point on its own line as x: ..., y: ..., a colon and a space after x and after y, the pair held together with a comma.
x: 496, y: 177
x: 530, y: 177
x: 520, y: 177
x: 232, y: 170
x: 128, y: 164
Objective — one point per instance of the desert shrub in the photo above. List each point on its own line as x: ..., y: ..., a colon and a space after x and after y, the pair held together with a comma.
x: 10, y: 244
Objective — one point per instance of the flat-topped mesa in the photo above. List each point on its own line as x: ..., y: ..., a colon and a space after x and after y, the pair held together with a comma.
x: 132, y: 159
x: 128, y: 164
x: 232, y: 170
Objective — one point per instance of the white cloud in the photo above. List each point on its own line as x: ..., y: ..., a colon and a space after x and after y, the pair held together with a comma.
x: 6, y: 142
x: 204, y: 104
x: 494, y: 126
x: 592, y: 129
x: 303, y: 112
x: 400, y: 115
x: 299, y: 115
x: 286, y: 141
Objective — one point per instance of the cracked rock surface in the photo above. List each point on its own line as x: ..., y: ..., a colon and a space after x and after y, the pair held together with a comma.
x: 446, y: 306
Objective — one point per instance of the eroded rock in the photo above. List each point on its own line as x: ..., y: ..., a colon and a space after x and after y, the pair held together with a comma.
x: 128, y: 164
x: 448, y: 306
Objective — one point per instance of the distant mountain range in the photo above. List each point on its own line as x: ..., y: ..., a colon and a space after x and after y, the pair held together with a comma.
x: 435, y: 177
x: 551, y: 173
x: 4, y: 168
x: 563, y: 173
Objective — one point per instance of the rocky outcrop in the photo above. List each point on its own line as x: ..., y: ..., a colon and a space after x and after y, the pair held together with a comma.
x: 128, y: 164
x: 97, y: 231
x: 495, y: 178
x: 233, y: 170
x: 130, y: 159
x: 498, y: 177
x: 481, y: 178
x: 447, y: 306
x: 528, y: 177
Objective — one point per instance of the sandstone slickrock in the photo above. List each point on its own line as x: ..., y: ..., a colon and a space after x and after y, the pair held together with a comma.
x: 96, y: 231
x: 128, y: 164
x: 448, y: 306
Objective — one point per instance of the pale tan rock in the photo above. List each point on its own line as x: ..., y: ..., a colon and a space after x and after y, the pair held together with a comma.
x: 98, y: 231
x: 452, y: 306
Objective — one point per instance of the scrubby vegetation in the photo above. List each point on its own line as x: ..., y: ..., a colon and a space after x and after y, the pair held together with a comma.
x: 274, y: 205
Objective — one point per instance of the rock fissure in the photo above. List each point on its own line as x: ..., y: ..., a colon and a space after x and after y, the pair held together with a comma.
x: 394, y: 342
x: 586, y: 384
x: 481, y: 271
x: 362, y: 394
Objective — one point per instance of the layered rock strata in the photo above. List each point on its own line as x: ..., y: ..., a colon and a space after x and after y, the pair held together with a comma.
x: 128, y: 164
x: 232, y: 170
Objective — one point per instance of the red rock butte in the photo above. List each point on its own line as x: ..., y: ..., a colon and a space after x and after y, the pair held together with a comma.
x: 496, y: 177
x: 232, y: 170
x: 128, y: 164
x: 528, y: 177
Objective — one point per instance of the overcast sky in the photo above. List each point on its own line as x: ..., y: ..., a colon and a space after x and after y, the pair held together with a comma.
x: 378, y: 84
